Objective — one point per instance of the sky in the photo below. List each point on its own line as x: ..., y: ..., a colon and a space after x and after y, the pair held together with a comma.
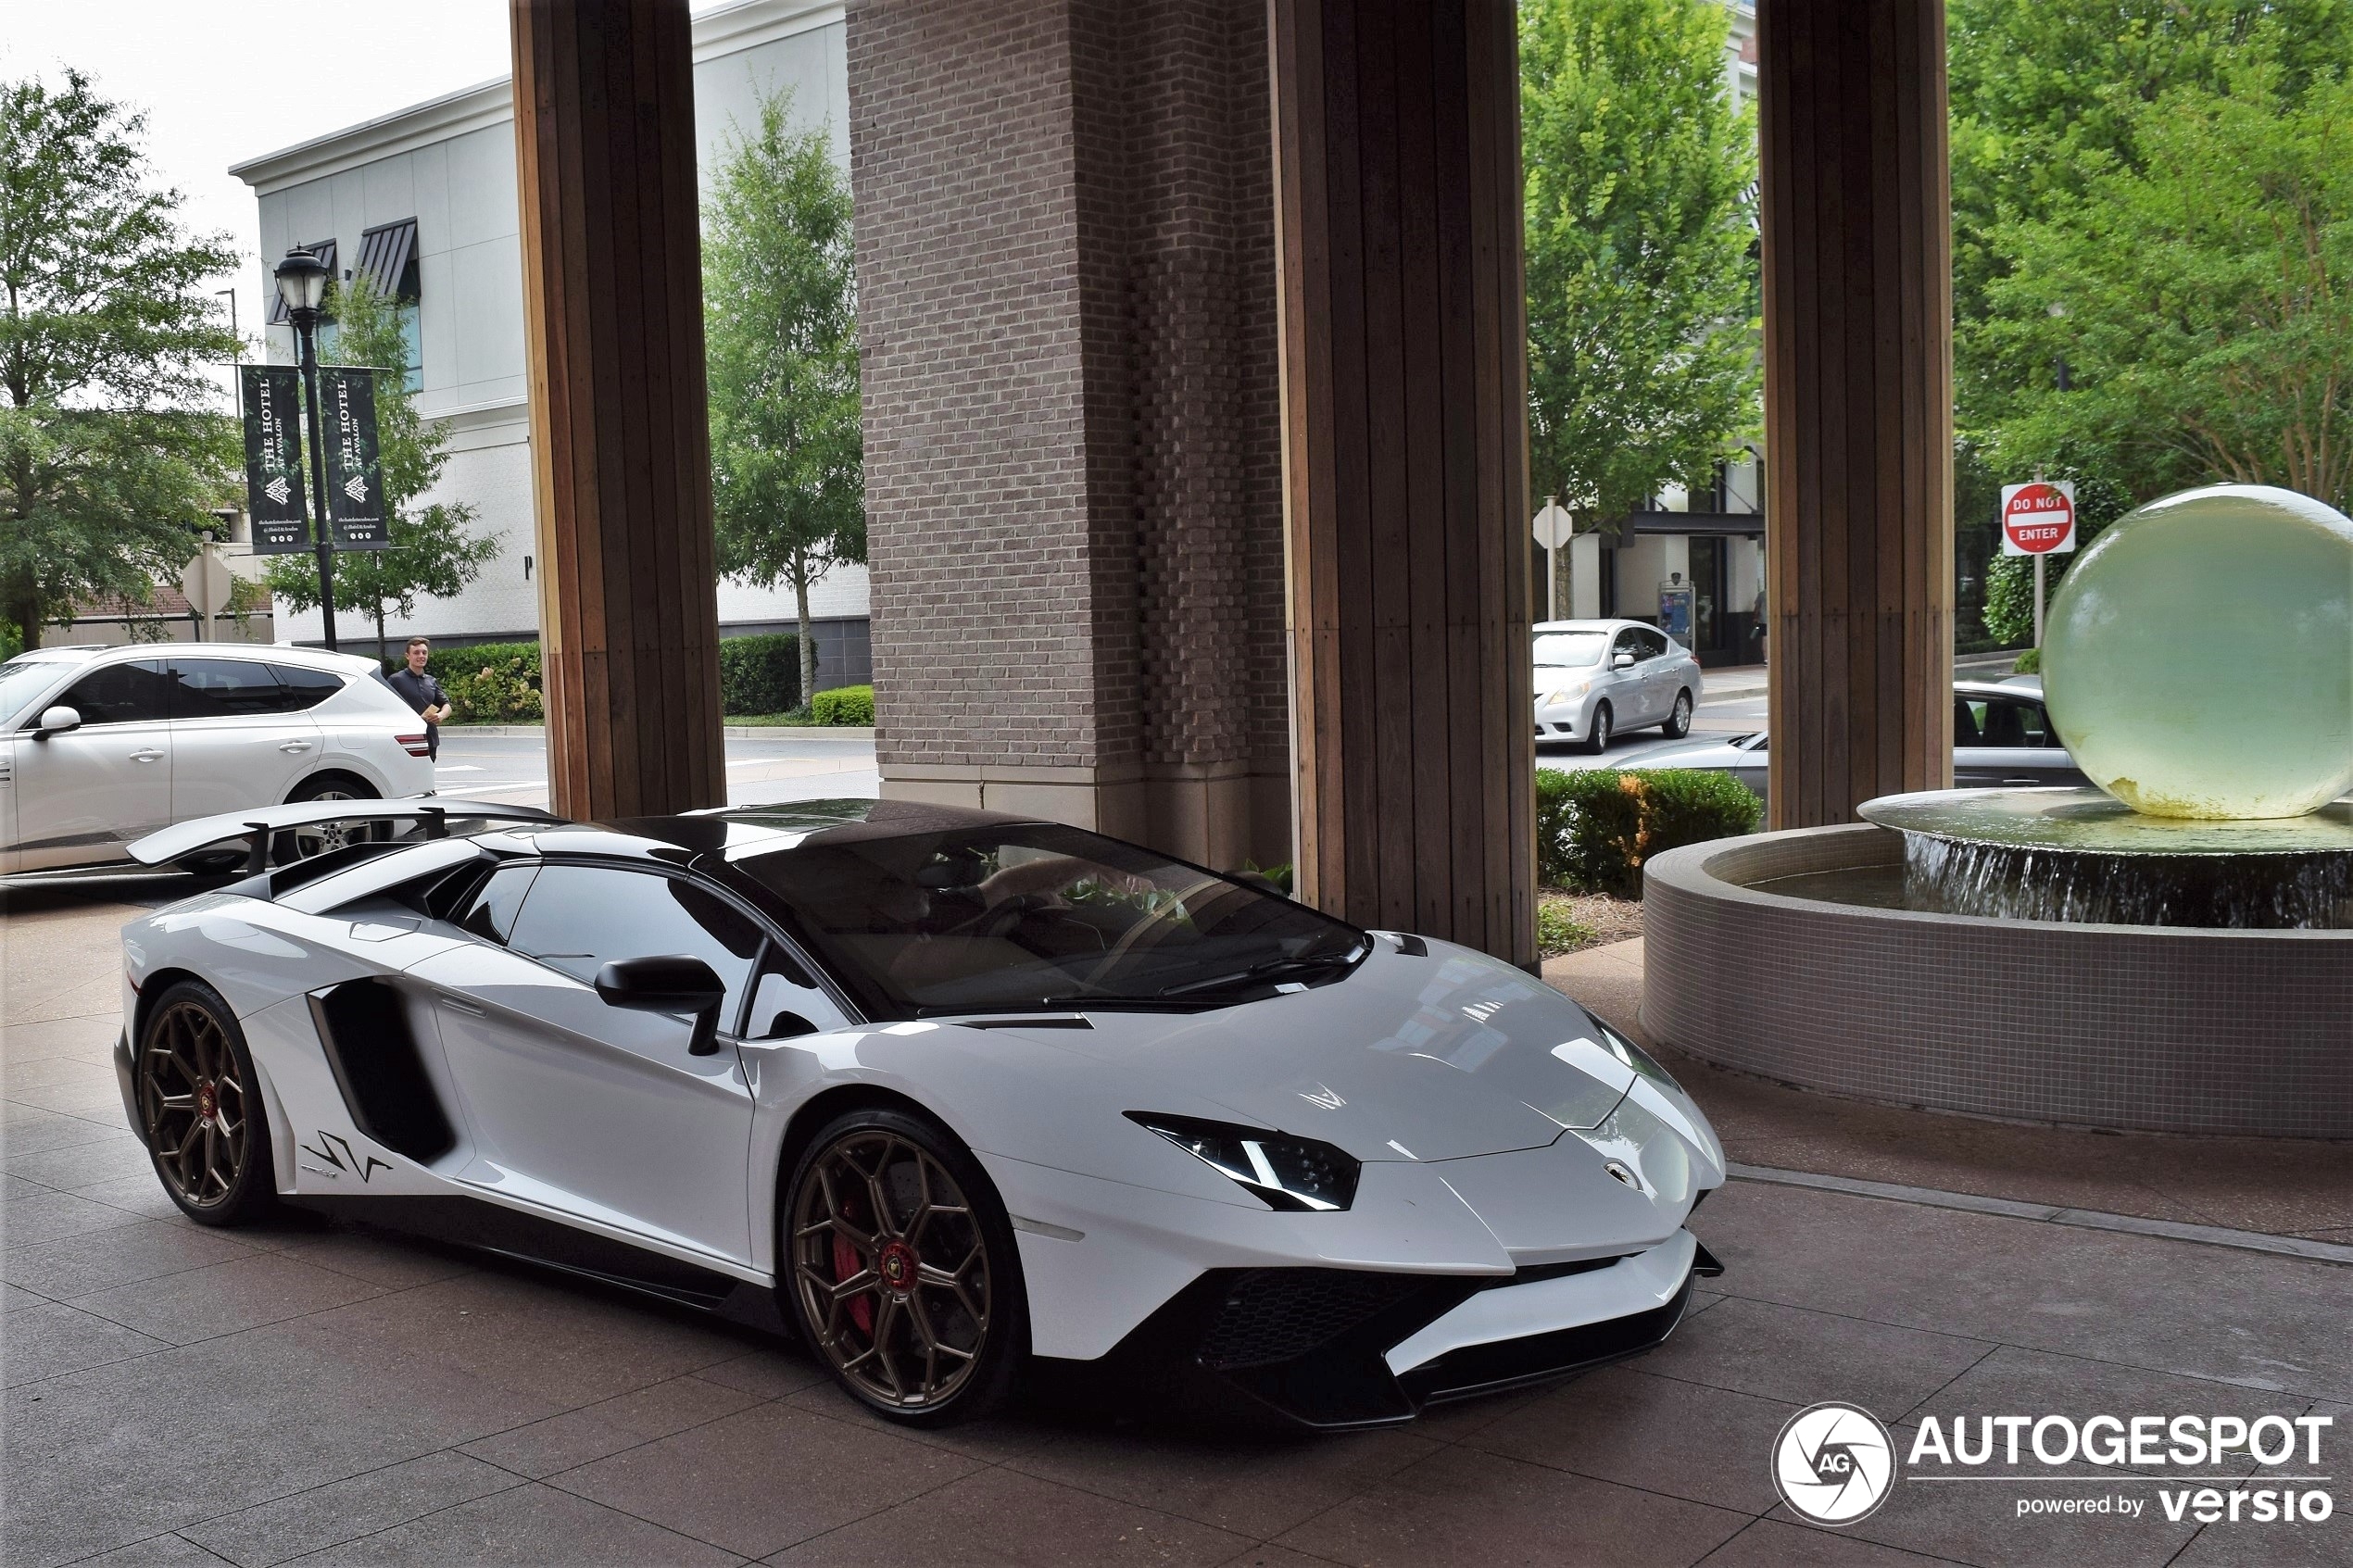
x: 224, y: 81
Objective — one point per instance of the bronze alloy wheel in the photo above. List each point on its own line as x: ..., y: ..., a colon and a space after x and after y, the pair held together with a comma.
x: 892, y: 1269
x: 198, y: 1109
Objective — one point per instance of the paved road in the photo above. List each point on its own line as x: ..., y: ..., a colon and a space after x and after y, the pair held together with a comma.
x: 796, y: 765
x: 1733, y: 714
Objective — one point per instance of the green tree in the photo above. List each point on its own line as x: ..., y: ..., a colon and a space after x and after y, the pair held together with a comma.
x: 2201, y: 295
x: 787, y: 458
x: 435, y: 552
x: 2045, y: 94
x: 109, y: 458
x: 1642, y: 279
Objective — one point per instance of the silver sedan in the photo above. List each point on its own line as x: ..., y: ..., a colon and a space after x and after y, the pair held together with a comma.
x: 2001, y: 735
x: 1595, y: 679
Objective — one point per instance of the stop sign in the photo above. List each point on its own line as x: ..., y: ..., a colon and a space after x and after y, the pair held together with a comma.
x: 2038, y: 518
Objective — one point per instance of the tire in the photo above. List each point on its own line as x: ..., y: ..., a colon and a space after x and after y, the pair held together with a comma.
x: 944, y: 1350
x: 301, y: 843
x: 200, y: 1109
x: 1597, y: 734
x: 1678, y: 722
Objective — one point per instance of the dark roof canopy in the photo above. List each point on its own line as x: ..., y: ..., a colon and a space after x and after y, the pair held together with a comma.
x: 388, y: 259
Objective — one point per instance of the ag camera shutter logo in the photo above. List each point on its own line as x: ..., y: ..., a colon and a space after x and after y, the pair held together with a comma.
x: 1834, y: 1463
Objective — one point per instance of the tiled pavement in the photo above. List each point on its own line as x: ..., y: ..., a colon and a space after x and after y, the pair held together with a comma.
x: 334, y: 1395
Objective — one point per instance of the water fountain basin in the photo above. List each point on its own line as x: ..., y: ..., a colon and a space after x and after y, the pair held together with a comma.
x: 1790, y: 955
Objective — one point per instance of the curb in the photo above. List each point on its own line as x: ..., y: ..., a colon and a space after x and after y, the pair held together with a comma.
x: 732, y: 731
x: 2051, y: 1214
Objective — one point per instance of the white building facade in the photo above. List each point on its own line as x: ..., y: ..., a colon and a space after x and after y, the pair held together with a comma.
x: 428, y: 196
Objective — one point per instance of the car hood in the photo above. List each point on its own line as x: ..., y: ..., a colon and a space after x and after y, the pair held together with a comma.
x: 1427, y: 1057
x: 1696, y: 754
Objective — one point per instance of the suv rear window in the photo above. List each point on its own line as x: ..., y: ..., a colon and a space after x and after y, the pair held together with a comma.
x: 305, y: 688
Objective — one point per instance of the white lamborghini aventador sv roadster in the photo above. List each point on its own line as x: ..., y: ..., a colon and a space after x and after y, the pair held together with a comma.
x: 979, y: 1099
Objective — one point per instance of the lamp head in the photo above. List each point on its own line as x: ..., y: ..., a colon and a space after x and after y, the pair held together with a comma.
x: 302, y: 283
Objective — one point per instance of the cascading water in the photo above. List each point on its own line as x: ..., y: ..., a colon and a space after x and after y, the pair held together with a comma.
x: 2073, y: 855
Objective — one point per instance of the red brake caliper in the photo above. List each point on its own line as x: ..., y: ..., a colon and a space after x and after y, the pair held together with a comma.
x: 845, y: 1263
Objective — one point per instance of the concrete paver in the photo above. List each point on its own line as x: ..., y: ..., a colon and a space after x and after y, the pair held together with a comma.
x: 336, y: 1394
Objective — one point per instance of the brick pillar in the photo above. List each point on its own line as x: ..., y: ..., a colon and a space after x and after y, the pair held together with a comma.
x: 1858, y: 401
x: 1072, y: 465
x: 1405, y: 427
x: 619, y: 438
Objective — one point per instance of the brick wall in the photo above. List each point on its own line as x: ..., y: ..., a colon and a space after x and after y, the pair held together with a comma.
x: 1066, y: 279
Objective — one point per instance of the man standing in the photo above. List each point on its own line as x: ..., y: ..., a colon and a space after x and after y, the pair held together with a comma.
x: 422, y: 693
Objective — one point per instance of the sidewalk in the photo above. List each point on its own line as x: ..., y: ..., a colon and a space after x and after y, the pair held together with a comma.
x: 1734, y: 680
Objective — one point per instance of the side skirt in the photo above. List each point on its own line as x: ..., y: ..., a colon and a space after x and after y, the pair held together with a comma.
x: 508, y: 1233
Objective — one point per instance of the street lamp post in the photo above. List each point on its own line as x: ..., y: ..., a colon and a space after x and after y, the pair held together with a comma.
x: 302, y: 284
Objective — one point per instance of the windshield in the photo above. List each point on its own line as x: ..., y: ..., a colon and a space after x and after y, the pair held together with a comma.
x: 1041, y: 916
x: 22, y: 679
x: 1572, y: 650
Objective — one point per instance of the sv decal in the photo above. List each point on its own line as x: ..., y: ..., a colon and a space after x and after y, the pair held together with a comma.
x: 347, y: 1162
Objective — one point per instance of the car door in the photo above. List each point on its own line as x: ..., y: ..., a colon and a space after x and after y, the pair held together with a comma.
x: 1662, y: 673
x: 2008, y: 741
x: 593, y: 1110
x: 1629, y: 704
x: 83, y: 795
x: 236, y: 740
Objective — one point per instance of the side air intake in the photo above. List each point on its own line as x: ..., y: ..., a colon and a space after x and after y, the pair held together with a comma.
x: 364, y: 1026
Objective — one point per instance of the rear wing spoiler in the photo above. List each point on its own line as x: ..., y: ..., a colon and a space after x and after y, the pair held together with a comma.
x: 425, y: 818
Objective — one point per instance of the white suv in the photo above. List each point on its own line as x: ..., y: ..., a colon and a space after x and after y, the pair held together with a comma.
x: 99, y: 746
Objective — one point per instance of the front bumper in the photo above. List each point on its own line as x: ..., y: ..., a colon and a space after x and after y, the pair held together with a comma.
x: 1336, y: 1348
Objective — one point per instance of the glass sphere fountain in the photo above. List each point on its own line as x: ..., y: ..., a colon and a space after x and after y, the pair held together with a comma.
x: 2197, y: 662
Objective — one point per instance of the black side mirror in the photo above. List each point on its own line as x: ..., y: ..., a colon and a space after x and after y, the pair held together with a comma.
x: 674, y: 983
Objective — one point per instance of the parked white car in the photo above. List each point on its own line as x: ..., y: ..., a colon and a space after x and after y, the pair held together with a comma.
x: 102, y: 745
x: 1595, y: 679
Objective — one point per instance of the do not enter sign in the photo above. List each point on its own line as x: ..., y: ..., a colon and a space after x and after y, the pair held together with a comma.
x: 2038, y: 518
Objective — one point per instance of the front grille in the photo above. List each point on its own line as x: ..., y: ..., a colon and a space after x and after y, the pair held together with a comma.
x: 1278, y: 1314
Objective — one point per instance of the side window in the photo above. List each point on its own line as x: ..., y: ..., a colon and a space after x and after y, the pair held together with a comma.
x: 2006, y: 724
x: 1628, y: 643
x: 491, y: 912
x: 305, y: 688
x: 1650, y: 645
x: 2037, y: 725
x: 786, y: 1000
x: 1967, y: 730
x: 121, y: 694
x: 578, y: 919
x: 224, y: 688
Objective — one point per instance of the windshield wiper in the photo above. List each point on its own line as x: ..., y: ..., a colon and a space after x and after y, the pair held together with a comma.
x: 1267, y: 969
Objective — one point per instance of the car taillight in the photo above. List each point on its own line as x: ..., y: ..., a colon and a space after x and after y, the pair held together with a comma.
x: 414, y: 744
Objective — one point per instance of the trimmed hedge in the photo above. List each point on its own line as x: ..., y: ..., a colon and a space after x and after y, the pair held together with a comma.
x: 498, y: 682
x: 759, y: 674
x: 490, y: 682
x: 844, y: 704
x: 1595, y: 828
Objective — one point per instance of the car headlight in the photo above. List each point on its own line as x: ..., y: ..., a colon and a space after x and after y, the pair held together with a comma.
x: 1635, y: 1057
x: 1283, y: 1170
x: 1568, y: 693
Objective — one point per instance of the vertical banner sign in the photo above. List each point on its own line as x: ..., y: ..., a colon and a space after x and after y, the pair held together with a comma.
x: 354, y: 478
x: 273, y: 458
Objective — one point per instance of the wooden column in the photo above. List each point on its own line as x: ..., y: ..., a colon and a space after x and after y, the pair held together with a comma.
x: 1404, y: 463
x: 619, y: 439
x: 1858, y: 401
